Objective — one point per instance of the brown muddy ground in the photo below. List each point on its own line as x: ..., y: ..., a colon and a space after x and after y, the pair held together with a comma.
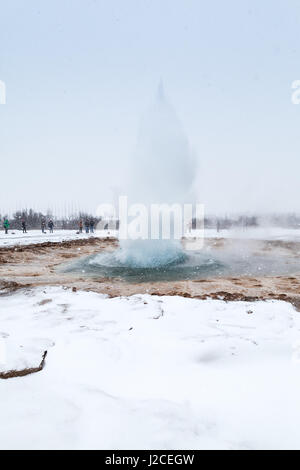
x: 35, y: 265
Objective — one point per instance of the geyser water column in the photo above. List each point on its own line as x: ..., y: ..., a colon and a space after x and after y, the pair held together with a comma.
x: 162, y: 171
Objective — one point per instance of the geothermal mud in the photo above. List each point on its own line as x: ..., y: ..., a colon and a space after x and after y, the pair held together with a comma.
x: 37, y: 265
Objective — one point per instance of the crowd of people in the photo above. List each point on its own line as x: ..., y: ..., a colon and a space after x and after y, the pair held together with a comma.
x: 50, y: 225
x: 87, y: 224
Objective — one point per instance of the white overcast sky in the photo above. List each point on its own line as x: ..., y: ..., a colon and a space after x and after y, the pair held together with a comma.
x: 80, y: 73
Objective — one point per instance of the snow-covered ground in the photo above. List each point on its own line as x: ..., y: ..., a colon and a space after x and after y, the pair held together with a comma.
x: 149, y: 372
x: 16, y: 237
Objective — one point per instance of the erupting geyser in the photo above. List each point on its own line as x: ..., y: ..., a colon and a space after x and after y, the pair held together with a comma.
x: 162, y: 172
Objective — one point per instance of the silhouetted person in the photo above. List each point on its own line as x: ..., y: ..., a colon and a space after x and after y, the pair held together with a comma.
x: 23, y: 223
x: 87, y: 225
x: 51, y: 225
x: 6, y: 225
x: 92, y: 225
x: 80, y: 226
x: 43, y: 225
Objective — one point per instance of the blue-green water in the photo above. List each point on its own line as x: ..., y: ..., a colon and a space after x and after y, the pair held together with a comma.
x: 191, y: 265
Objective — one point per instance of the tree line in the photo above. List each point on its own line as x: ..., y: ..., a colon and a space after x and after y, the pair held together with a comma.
x: 34, y: 220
